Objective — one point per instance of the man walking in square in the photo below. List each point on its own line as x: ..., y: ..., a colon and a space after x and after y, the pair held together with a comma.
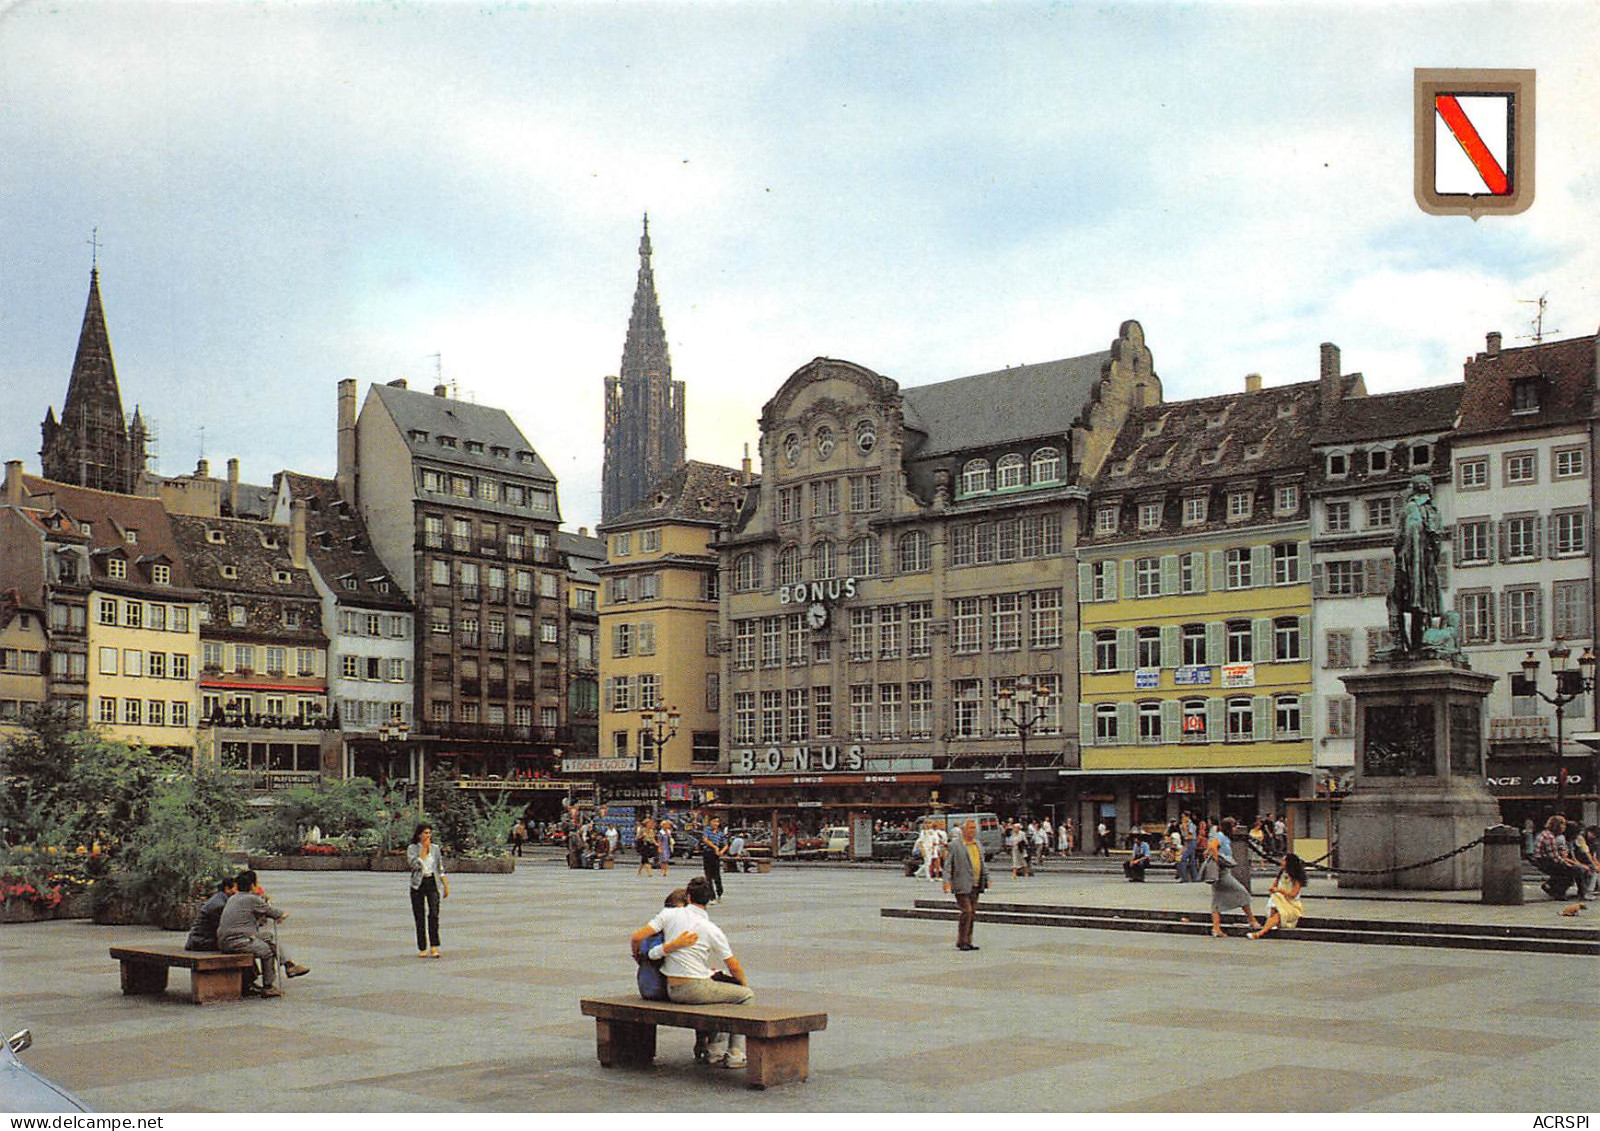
x: 966, y: 879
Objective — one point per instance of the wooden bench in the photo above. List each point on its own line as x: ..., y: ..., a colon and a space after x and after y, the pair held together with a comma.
x: 777, y: 1039
x: 212, y: 976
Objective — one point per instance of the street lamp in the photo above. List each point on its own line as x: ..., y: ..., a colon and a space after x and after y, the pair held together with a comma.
x: 1024, y: 708
x: 1569, y: 686
x: 661, y: 721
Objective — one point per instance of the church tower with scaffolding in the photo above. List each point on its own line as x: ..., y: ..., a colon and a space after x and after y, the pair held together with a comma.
x: 92, y: 444
x: 644, y: 405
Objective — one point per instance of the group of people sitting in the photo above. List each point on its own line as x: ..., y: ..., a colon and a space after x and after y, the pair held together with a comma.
x: 239, y: 919
x: 1567, y: 855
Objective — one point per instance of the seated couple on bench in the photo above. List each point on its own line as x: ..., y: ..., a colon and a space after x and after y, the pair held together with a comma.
x: 237, y: 919
x: 691, y: 949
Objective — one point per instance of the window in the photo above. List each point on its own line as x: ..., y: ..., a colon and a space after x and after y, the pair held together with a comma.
x: 919, y: 710
x: 1006, y: 540
x: 1241, y: 720
x: 108, y: 610
x: 975, y: 477
x: 1341, y: 716
x: 1524, y: 395
x: 795, y: 635
x: 824, y: 497
x: 864, y: 557
x: 237, y: 615
x: 1241, y: 649
x: 1105, y: 650
x: 1421, y: 455
x: 180, y: 713
x: 889, y: 703
x: 350, y: 667
x: 966, y: 697
x: 161, y: 574
x: 132, y: 710
x: 788, y: 504
x: 649, y: 540
x: 788, y: 565
x: 866, y: 492
x: 1522, y: 620
x: 621, y: 640
x: 1378, y: 461
x: 1569, y: 533
x: 919, y: 614
x: 1046, y: 466
x: 1006, y: 622
x: 912, y: 552
x: 211, y: 656
x: 771, y: 641
x: 180, y: 619
x: 1345, y: 578
x: 1519, y: 538
x: 1044, y: 629
x: 747, y: 573
x: 1194, y: 510
x: 1150, y: 515
x: 1147, y: 577
x: 983, y: 542
x: 967, y: 624
x: 621, y: 545
x: 824, y: 561
x: 1105, y: 724
x: 117, y: 568
x: 1521, y: 468
x: 1149, y: 713
x: 822, y: 712
x: 108, y: 661
x: 108, y: 709
x: 1286, y: 639
x: 1011, y: 471
x: 1338, y: 465
x: 180, y: 666
x: 1192, y: 720
x: 799, y: 714
x: 889, y: 632
x: 1380, y: 513
x: 1240, y: 505
x: 1472, y: 474
x: 1192, y: 642
x: 1032, y: 535
x: 1105, y: 520
x: 861, y: 710
x: 861, y: 634
x: 275, y: 660
x: 1568, y: 463
x: 1285, y: 563
x: 1147, y: 648
x: 1286, y: 711
x: 744, y: 716
x: 1472, y: 541
x: 1569, y: 604
x: 744, y: 644
x: 1239, y: 575
x: 1103, y: 581
x: 1286, y: 499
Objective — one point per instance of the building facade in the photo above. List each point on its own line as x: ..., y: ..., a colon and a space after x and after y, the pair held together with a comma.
x: 463, y: 513
x: 907, y: 557
x: 584, y: 554
x: 24, y: 658
x: 644, y: 406
x: 659, y: 633
x: 92, y: 444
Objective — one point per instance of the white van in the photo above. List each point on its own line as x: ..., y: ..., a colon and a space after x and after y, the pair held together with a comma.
x: 988, y: 829
x: 836, y: 840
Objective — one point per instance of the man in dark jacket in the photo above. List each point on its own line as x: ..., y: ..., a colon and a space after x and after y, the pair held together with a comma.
x: 203, y: 931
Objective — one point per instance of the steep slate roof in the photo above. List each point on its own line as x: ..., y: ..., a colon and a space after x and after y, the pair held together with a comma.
x: 1565, y: 397
x: 583, y: 552
x: 1254, y: 420
x: 93, y: 383
x: 338, y: 546
x: 109, y: 516
x: 1383, y: 415
x: 246, y: 548
x: 988, y: 409
x: 446, y: 416
x: 695, y: 492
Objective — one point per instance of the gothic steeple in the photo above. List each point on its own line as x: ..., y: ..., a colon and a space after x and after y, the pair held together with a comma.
x: 90, y: 445
x: 644, y: 406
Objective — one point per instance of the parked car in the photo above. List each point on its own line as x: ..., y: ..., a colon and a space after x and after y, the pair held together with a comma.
x: 896, y: 845
x: 23, y: 1089
x: 835, y: 840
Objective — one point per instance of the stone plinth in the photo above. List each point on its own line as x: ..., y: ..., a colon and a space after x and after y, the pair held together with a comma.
x: 1419, y: 785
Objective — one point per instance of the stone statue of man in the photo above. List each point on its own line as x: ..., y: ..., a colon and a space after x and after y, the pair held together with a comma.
x: 1415, y: 599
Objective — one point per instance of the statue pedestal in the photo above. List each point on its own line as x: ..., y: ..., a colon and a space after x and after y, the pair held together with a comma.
x: 1419, y: 788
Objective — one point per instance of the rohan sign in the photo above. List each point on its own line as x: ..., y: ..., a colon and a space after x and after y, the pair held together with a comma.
x: 798, y: 759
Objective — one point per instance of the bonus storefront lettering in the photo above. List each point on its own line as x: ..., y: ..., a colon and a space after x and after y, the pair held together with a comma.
x: 799, y: 759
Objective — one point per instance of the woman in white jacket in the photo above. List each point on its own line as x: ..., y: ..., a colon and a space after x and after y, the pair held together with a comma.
x: 428, y: 884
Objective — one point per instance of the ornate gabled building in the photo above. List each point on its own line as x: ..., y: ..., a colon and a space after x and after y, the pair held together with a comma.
x: 644, y: 405
x: 92, y: 444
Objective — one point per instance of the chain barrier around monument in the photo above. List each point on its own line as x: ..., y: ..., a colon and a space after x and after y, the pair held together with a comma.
x: 1443, y: 856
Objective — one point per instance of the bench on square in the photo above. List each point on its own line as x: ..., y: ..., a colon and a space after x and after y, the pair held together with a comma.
x: 212, y: 976
x: 777, y: 1039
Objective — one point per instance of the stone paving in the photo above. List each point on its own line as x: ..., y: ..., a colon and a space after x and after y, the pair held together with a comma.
x: 1039, y: 1019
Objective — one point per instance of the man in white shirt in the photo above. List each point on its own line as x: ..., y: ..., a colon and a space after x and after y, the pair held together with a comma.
x: 695, y: 948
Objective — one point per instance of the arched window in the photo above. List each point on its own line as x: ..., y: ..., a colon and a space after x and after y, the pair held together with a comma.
x: 1105, y: 724
x: 1046, y: 465
x: 1241, y: 720
x: 975, y: 477
x: 864, y: 557
x: 913, y: 551
x: 747, y: 573
x: 824, y: 561
x: 789, y: 565
x: 1150, y: 721
x: 1010, y: 471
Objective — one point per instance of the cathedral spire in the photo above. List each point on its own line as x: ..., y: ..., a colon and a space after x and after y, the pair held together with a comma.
x: 94, y: 374
x: 644, y: 352
x: 89, y: 444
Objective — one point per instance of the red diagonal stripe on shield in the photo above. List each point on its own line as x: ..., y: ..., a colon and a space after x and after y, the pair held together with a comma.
x: 1462, y: 129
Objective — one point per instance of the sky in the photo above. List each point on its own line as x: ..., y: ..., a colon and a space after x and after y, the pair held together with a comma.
x: 291, y: 194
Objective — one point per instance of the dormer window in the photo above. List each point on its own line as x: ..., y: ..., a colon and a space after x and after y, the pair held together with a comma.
x: 1285, y: 410
x: 1152, y: 428
x: 1046, y: 465
x: 269, y: 541
x: 418, y: 436
x: 447, y: 441
x: 1338, y: 465
x: 1010, y: 471
x: 1525, y: 395
x: 500, y: 453
x: 291, y: 618
x: 282, y: 576
x: 1211, y: 455
x: 1253, y: 451
x: 381, y: 586
x: 231, y: 572
x: 1240, y: 505
x: 347, y: 583
x: 216, y: 537
x: 1120, y: 467
x: 1217, y: 419
x: 117, y: 568
x: 236, y: 615
x: 975, y: 477
x: 525, y: 457
x: 85, y: 529
x: 130, y: 536
x: 1194, y: 510
x: 160, y: 574
x: 475, y: 446
x: 1421, y: 455
x: 1105, y: 520
x: 1378, y: 461
x: 1150, y: 514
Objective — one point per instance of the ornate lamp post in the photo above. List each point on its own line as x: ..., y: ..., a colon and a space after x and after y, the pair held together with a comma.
x: 1024, y: 709
x: 1569, y: 686
x: 398, y: 731
x: 661, y: 721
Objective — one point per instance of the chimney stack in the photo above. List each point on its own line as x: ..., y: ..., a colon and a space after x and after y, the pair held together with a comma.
x: 202, y: 468
x: 1252, y: 382
x: 1331, y: 390
x: 297, y: 533
x: 1493, y: 341
x: 13, y: 488
x: 233, y: 486
x: 441, y: 390
x: 345, y: 476
x: 744, y: 467
x: 398, y: 383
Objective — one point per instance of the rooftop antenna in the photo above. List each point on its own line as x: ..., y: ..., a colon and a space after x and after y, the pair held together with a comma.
x: 202, y: 441
x: 94, y: 244
x: 1538, y: 321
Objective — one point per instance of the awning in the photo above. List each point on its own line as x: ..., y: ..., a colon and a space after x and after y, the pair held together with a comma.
x: 1305, y: 771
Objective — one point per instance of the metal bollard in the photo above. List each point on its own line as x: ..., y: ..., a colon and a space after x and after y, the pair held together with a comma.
x: 1502, y: 865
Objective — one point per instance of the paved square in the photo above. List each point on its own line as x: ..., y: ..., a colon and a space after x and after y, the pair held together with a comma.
x: 1045, y: 1017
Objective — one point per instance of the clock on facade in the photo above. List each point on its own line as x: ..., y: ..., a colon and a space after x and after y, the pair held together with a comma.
x: 816, y: 616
